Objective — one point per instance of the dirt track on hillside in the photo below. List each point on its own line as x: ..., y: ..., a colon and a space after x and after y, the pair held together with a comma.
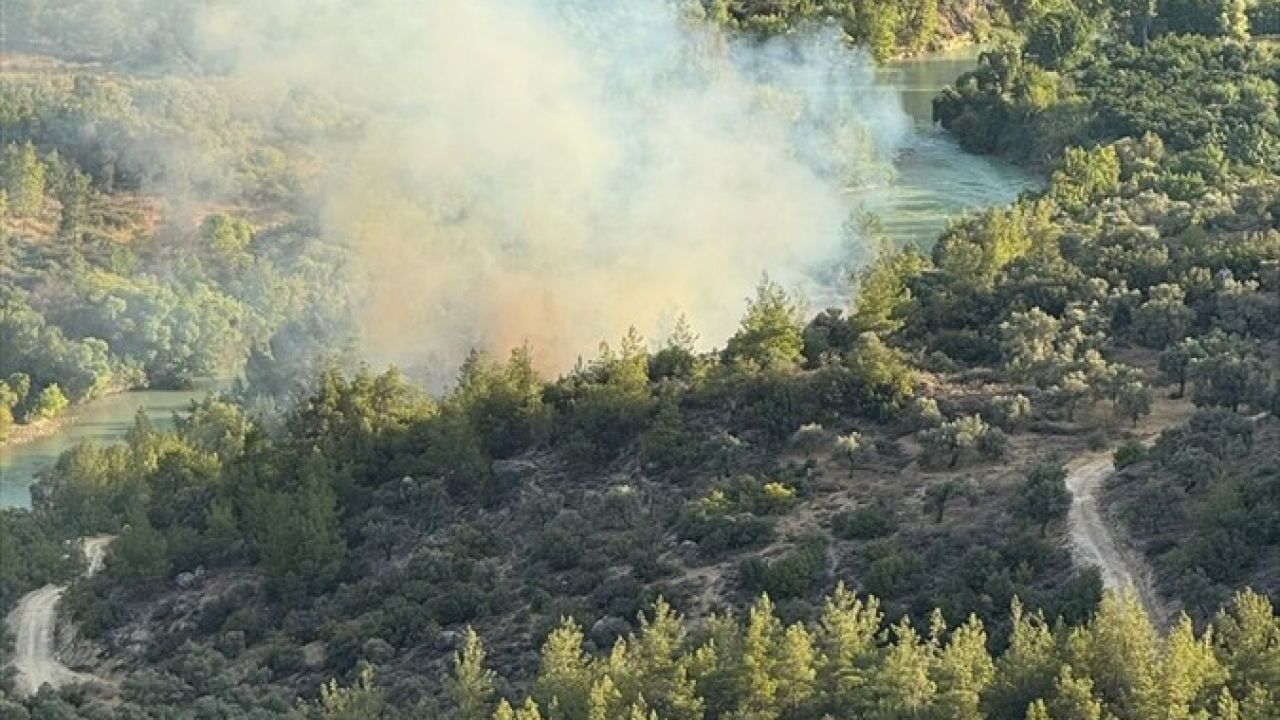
x: 1093, y: 541
x: 33, y: 622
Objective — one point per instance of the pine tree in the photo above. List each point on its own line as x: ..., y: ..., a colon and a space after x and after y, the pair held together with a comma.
x: 796, y: 672
x: 664, y: 671
x: 716, y: 666
x: 362, y: 701
x: 771, y: 334
x: 682, y: 336
x: 1038, y: 711
x: 604, y: 701
x: 564, y: 677
x: 473, y: 684
x: 847, y: 638
x: 504, y: 712
x: 1247, y: 634
x: 23, y: 180
x: 1074, y: 698
x: 1027, y: 668
x: 1117, y: 651
x: 903, y: 687
x: 1043, y: 497
x: 963, y: 671
x: 1233, y: 20
x: 759, y: 681
x: 74, y: 194
x: 1186, y: 678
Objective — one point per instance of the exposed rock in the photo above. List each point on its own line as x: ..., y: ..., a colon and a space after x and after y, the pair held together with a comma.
x: 450, y: 639
x: 313, y: 654
x: 513, y: 469
x: 605, y: 631
x: 687, y: 550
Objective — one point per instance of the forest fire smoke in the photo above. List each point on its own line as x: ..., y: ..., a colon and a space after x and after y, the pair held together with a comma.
x: 557, y: 170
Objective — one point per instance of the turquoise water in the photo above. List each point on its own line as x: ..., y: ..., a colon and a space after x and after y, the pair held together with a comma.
x: 104, y: 420
x: 936, y: 180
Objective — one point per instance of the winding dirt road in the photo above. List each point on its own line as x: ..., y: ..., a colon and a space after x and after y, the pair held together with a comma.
x: 1093, y: 542
x: 33, y: 621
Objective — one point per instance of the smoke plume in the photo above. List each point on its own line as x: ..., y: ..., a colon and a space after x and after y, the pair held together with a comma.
x: 554, y: 171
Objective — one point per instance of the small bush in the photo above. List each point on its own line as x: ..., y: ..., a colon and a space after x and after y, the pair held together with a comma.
x: 808, y: 437
x: 1098, y: 440
x: 792, y: 575
x: 924, y: 413
x: 1130, y: 453
x: 775, y: 498
x: 864, y: 523
x: 719, y: 523
x: 1008, y: 412
x: 284, y: 657
x: 894, y: 571
x: 993, y: 444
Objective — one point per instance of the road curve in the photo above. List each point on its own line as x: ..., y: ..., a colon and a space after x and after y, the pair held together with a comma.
x: 33, y: 621
x: 1094, y: 542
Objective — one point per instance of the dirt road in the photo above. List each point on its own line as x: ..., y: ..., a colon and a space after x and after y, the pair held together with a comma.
x: 33, y: 622
x: 1093, y: 542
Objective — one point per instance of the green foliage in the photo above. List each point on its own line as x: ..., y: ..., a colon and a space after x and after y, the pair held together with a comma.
x: 23, y: 177
x: 1086, y: 176
x: 955, y: 439
x: 976, y: 249
x: 362, y: 700
x: 1043, y: 497
x: 602, y: 408
x: 140, y: 553
x: 771, y: 332
x: 938, y: 495
x: 502, y: 402
x: 296, y: 532
x: 724, y: 521
x: 473, y: 684
x: 1008, y: 412
x: 668, y: 445
x: 883, y: 293
x: 1230, y: 378
x: 49, y: 403
x: 1129, y: 453
x: 864, y: 523
x: 1116, y: 663
x: 1058, y: 38
x: 1164, y: 318
x: 885, y: 27
x: 884, y: 377
x: 789, y: 576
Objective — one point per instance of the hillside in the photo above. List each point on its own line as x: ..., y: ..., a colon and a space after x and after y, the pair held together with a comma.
x: 858, y: 512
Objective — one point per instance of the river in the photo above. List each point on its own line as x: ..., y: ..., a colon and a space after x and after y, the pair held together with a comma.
x: 104, y: 420
x: 936, y: 180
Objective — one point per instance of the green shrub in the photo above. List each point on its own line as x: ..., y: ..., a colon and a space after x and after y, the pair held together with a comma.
x: 892, y: 571
x: 1130, y: 453
x: 717, y: 529
x: 792, y: 575
x: 284, y: 657
x: 993, y: 444
x: 1098, y: 440
x: 864, y: 523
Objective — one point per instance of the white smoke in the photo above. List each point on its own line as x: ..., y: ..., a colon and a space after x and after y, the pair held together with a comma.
x: 557, y: 170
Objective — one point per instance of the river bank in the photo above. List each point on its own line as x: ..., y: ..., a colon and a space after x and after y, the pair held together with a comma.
x: 30, y: 432
x: 22, y: 433
x: 104, y: 420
